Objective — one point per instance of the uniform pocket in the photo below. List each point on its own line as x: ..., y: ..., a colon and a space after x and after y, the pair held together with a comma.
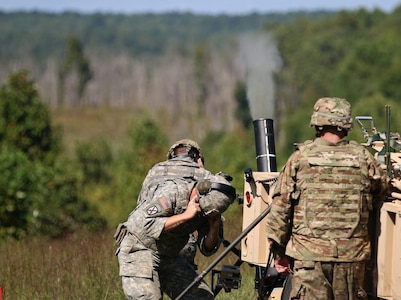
x: 302, y: 272
x: 136, y: 264
x: 304, y: 264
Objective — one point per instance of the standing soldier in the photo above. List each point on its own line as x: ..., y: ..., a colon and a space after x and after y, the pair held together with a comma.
x: 178, y: 197
x: 321, y: 205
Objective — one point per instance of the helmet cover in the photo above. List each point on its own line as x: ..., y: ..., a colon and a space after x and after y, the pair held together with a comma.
x: 332, y: 112
x: 189, y: 144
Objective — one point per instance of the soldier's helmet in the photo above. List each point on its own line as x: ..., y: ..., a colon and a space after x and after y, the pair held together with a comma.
x: 189, y: 144
x: 332, y: 112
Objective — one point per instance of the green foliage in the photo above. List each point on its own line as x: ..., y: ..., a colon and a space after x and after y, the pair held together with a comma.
x: 148, y: 141
x: 297, y: 128
x: 58, y: 206
x: 201, y: 58
x: 148, y: 145
x: 242, y: 111
x: 230, y: 153
x: 15, y: 192
x: 25, y: 120
x: 38, y: 198
x: 374, y: 106
x: 39, y: 193
x: 138, y: 34
x: 94, y: 157
x: 74, y: 61
x: 351, y: 55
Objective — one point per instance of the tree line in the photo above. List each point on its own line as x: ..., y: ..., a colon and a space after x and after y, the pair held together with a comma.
x: 40, y: 35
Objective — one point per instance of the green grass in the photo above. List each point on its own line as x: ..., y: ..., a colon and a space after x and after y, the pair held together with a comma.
x: 83, y: 266
x: 75, y: 267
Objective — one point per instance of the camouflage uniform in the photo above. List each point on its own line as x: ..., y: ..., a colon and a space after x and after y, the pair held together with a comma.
x: 321, y: 206
x: 189, y: 250
x: 149, y: 258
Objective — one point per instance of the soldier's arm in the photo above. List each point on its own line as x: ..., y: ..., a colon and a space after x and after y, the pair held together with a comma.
x: 192, y: 210
x: 213, y: 236
x: 278, y: 225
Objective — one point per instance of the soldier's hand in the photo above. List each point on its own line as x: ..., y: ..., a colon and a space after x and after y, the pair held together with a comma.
x: 194, y: 195
x: 396, y: 183
x: 282, y: 265
x: 193, y: 207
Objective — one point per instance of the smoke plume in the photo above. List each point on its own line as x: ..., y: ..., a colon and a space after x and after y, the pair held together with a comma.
x: 259, y: 59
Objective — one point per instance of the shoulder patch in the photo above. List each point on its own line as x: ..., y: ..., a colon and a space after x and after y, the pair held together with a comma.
x: 164, y: 203
x: 160, y: 208
x: 153, y: 210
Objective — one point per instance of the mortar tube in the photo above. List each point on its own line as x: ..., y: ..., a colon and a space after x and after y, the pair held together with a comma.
x: 264, y: 145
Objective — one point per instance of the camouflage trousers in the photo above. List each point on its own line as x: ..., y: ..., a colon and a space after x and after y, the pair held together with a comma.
x: 328, y: 281
x: 176, y: 274
x: 171, y: 277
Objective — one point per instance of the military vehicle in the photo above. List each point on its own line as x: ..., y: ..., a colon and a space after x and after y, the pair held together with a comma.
x: 383, y: 276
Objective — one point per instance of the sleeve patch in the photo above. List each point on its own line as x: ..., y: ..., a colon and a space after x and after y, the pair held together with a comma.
x: 152, y: 210
x: 160, y: 208
x: 164, y: 203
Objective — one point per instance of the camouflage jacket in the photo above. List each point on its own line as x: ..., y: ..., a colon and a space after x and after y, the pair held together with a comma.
x: 180, y: 167
x: 322, y: 200
x: 165, y: 192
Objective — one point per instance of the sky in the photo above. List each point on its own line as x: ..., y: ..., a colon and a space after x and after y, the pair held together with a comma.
x: 234, y: 7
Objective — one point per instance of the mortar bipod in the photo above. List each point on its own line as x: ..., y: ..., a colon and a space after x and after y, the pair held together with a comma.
x: 225, y: 252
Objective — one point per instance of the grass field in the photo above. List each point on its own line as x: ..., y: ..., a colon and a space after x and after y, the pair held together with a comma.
x: 94, y: 122
x: 83, y: 266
